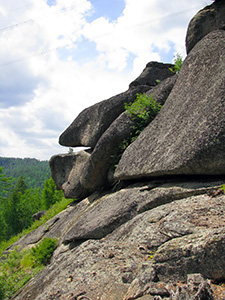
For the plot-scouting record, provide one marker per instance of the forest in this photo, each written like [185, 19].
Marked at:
[33, 171]
[25, 188]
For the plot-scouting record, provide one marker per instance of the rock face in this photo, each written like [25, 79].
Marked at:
[38, 215]
[66, 171]
[154, 71]
[188, 135]
[157, 236]
[91, 123]
[208, 19]
[90, 172]
[145, 256]
[95, 173]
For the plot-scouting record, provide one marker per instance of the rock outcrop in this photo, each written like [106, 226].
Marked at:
[188, 135]
[207, 20]
[66, 172]
[158, 231]
[91, 123]
[95, 173]
[91, 171]
[145, 256]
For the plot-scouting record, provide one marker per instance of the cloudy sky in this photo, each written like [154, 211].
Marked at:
[59, 56]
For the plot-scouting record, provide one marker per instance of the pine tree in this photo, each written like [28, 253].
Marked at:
[50, 195]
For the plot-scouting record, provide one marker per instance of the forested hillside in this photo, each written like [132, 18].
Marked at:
[34, 172]
[18, 203]
[25, 188]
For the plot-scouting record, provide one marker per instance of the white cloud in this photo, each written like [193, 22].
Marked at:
[45, 81]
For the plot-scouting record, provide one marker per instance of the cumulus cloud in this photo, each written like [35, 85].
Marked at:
[54, 62]
[147, 29]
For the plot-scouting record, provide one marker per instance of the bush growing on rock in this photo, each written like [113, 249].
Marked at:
[42, 253]
[178, 61]
[142, 111]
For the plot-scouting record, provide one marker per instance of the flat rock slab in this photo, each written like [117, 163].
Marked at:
[187, 137]
[153, 228]
[109, 212]
[94, 270]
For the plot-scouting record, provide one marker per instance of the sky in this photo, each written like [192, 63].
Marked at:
[58, 57]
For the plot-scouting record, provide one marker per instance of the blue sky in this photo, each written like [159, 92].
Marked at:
[58, 57]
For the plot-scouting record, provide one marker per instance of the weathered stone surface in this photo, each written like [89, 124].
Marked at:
[206, 20]
[188, 135]
[91, 123]
[54, 228]
[111, 211]
[103, 269]
[186, 236]
[148, 287]
[95, 172]
[179, 218]
[66, 170]
[94, 270]
[153, 71]
[132, 200]
[199, 252]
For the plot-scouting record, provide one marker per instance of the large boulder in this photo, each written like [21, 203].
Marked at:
[153, 72]
[206, 20]
[66, 170]
[95, 173]
[188, 135]
[91, 123]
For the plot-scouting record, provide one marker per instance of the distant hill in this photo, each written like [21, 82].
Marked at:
[35, 172]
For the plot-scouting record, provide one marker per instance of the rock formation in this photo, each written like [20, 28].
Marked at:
[208, 19]
[188, 135]
[153, 228]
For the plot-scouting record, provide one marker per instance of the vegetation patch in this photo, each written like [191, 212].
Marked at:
[54, 210]
[17, 268]
[178, 62]
[142, 111]
[18, 204]
[35, 172]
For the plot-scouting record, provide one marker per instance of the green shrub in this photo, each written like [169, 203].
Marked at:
[18, 267]
[42, 253]
[13, 277]
[178, 62]
[142, 111]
